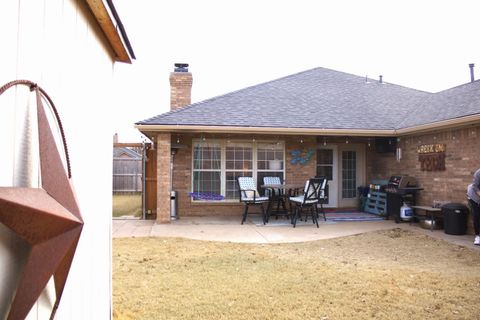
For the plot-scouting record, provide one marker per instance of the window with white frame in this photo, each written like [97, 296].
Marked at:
[270, 160]
[207, 167]
[218, 163]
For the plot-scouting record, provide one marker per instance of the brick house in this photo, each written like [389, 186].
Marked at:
[317, 122]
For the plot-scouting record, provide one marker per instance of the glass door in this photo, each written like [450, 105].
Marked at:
[352, 173]
[327, 167]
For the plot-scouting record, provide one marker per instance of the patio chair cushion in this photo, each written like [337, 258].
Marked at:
[272, 180]
[299, 199]
[249, 194]
[257, 199]
[249, 189]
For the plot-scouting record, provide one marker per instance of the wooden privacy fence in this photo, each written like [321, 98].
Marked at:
[127, 172]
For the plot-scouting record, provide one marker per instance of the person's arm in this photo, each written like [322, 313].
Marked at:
[476, 183]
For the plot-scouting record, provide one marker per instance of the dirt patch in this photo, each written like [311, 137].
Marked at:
[394, 274]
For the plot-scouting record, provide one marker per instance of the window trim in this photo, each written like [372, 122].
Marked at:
[223, 146]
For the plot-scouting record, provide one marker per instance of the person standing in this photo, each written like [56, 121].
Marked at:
[473, 194]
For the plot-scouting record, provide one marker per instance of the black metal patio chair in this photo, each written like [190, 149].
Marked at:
[249, 196]
[309, 200]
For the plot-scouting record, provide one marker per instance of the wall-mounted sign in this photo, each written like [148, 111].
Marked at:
[431, 148]
[432, 157]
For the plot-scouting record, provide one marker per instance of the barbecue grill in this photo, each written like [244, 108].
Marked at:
[400, 189]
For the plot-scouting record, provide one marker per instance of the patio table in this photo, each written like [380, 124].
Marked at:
[290, 189]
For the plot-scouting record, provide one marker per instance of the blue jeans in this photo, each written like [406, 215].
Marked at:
[475, 215]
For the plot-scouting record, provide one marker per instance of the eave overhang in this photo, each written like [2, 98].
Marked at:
[423, 128]
[111, 25]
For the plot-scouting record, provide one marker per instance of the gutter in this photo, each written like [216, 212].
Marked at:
[263, 130]
[423, 128]
[440, 125]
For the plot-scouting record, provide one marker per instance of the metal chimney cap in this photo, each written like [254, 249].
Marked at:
[181, 67]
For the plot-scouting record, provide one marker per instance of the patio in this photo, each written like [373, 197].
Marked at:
[228, 229]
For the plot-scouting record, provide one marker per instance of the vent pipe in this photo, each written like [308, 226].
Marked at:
[472, 75]
[380, 78]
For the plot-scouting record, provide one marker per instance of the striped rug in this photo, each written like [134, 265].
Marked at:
[352, 216]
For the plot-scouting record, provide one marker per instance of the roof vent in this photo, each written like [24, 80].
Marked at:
[181, 67]
[472, 75]
[380, 79]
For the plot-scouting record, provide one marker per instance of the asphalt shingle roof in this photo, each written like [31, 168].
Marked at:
[326, 99]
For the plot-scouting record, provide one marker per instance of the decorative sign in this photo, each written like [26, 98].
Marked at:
[47, 217]
[431, 148]
[432, 157]
[301, 156]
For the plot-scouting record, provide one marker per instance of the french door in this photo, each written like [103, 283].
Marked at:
[344, 167]
[327, 166]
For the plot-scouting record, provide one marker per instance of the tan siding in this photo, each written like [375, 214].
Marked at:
[57, 44]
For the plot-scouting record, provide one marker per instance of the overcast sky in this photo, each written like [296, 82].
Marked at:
[426, 45]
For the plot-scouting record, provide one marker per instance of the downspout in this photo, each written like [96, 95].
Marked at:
[144, 180]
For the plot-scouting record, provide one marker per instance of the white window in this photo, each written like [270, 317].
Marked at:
[218, 163]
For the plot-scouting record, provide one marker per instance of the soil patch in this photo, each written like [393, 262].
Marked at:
[394, 274]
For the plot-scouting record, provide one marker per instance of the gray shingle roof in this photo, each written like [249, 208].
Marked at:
[326, 99]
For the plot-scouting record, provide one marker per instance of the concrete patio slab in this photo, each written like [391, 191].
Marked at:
[229, 229]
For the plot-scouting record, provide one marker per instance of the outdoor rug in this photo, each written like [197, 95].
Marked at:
[352, 216]
[283, 222]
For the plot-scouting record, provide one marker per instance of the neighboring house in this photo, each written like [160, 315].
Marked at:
[317, 122]
[68, 47]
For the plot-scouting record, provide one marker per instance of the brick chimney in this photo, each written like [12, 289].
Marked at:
[180, 86]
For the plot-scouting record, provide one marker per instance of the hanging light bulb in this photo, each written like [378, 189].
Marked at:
[369, 144]
[324, 141]
[346, 140]
[178, 140]
[301, 140]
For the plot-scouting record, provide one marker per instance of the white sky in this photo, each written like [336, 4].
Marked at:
[230, 45]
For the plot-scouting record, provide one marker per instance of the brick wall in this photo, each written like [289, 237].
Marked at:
[182, 177]
[180, 89]
[298, 173]
[163, 144]
[462, 159]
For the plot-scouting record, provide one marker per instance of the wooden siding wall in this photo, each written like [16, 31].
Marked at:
[57, 44]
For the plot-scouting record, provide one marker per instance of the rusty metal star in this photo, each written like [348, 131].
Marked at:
[47, 218]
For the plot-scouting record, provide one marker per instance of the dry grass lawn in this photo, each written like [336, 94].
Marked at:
[393, 274]
[127, 205]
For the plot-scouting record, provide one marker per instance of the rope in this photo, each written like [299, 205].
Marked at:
[34, 86]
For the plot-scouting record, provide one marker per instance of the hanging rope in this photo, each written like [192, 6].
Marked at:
[33, 86]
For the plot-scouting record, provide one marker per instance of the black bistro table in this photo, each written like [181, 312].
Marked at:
[278, 199]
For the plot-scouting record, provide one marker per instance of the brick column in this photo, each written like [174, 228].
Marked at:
[163, 144]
